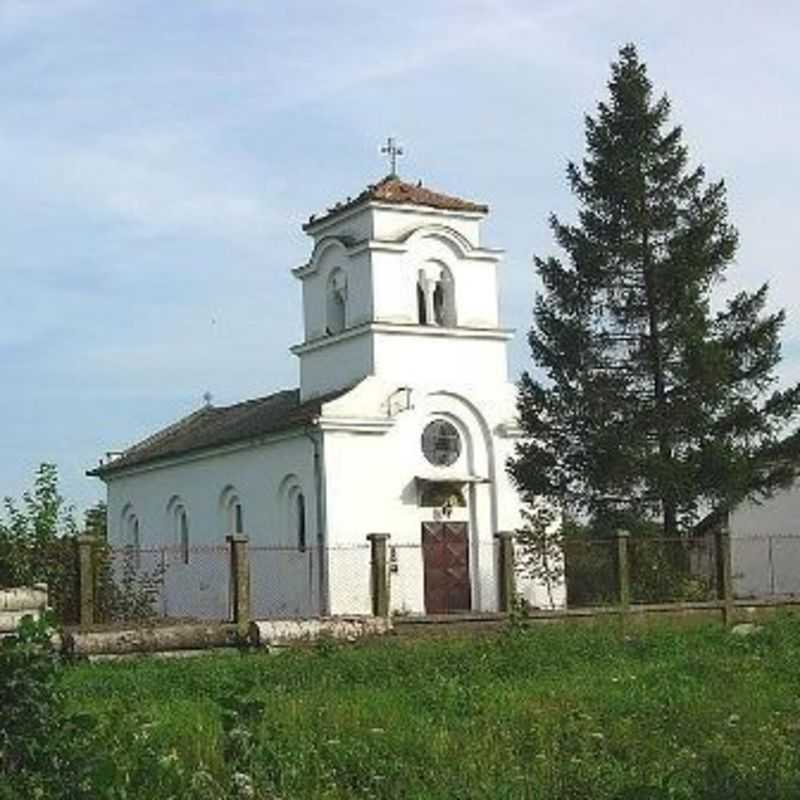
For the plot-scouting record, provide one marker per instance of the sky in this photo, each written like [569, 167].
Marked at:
[157, 160]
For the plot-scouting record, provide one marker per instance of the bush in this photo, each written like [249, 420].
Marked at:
[124, 591]
[40, 744]
[37, 543]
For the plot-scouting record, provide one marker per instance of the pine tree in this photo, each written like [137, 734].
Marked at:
[650, 406]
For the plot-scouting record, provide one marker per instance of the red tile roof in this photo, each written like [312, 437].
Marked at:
[392, 190]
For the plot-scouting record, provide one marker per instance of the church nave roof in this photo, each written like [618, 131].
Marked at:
[213, 426]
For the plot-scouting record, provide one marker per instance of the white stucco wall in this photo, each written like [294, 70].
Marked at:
[382, 275]
[336, 364]
[423, 356]
[395, 222]
[283, 581]
[395, 274]
[371, 488]
[359, 289]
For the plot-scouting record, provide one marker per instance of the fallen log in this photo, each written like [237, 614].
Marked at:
[168, 638]
[283, 632]
[24, 598]
[10, 620]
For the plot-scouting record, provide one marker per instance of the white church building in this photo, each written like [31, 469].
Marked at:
[402, 424]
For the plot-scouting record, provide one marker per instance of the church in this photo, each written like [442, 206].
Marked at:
[402, 424]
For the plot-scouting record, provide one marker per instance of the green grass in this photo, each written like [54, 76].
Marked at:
[554, 712]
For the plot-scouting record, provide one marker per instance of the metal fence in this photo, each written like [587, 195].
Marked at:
[441, 576]
[197, 582]
[765, 566]
[656, 570]
[167, 582]
[661, 570]
[590, 572]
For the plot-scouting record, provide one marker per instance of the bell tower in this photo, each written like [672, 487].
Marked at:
[398, 286]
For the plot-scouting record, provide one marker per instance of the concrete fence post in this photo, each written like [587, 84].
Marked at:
[506, 579]
[240, 580]
[379, 574]
[722, 541]
[623, 570]
[85, 556]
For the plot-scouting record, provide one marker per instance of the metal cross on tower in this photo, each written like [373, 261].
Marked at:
[393, 151]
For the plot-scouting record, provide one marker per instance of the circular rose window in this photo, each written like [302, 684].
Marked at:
[441, 443]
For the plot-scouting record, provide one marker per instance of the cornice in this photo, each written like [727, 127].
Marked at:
[403, 329]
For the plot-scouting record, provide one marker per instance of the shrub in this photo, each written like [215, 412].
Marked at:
[40, 744]
[124, 591]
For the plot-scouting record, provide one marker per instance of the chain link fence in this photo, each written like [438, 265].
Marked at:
[162, 582]
[444, 574]
[672, 570]
[766, 566]
[659, 570]
[183, 583]
[676, 570]
[590, 572]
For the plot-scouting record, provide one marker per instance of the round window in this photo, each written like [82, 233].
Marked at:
[441, 443]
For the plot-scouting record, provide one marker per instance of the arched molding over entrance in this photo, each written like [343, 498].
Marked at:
[477, 435]
[474, 473]
[468, 418]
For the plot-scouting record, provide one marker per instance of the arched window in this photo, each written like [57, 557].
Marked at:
[336, 301]
[232, 513]
[436, 297]
[300, 509]
[291, 498]
[178, 518]
[131, 534]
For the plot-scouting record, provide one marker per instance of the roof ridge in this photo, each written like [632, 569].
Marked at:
[252, 400]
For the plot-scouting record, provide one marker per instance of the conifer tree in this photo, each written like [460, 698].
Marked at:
[650, 405]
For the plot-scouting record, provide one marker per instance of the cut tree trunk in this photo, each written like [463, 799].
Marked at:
[24, 598]
[152, 640]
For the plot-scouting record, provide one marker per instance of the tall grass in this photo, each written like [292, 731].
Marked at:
[540, 713]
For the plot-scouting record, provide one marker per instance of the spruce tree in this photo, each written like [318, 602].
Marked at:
[649, 405]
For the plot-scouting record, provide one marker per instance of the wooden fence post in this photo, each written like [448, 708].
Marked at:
[722, 540]
[506, 583]
[623, 571]
[85, 555]
[240, 581]
[379, 574]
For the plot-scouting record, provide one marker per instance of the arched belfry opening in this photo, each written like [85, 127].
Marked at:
[336, 306]
[436, 298]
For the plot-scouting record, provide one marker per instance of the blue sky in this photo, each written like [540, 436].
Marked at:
[157, 160]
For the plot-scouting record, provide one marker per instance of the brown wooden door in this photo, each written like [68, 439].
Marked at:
[445, 550]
